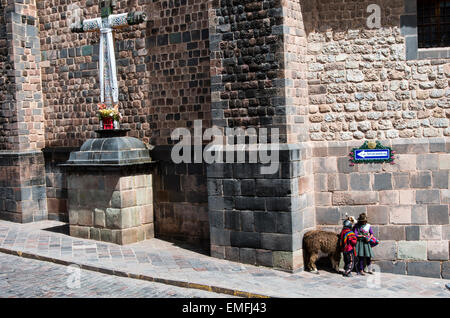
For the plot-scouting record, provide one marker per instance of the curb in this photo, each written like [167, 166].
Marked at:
[177, 283]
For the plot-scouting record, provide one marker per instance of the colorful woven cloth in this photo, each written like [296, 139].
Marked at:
[365, 230]
[348, 240]
[374, 241]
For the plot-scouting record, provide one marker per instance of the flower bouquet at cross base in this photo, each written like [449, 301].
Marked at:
[108, 116]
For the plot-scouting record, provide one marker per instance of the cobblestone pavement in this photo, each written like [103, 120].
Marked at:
[165, 262]
[21, 277]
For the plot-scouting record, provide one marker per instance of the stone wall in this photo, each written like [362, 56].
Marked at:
[258, 81]
[8, 117]
[163, 74]
[407, 203]
[56, 182]
[162, 66]
[295, 71]
[22, 185]
[24, 129]
[260, 218]
[311, 68]
[181, 199]
[361, 86]
[246, 63]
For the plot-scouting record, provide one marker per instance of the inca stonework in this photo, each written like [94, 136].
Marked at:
[316, 70]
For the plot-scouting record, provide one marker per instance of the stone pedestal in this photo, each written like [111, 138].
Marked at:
[110, 190]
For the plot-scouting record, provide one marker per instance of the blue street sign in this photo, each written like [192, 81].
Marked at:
[372, 154]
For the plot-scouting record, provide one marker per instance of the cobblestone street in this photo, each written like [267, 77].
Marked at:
[175, 266]
[21, 277]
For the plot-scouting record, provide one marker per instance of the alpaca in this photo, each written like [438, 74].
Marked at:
[326, 242]
[323, 241]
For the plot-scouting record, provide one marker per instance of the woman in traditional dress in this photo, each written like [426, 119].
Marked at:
[364, 232]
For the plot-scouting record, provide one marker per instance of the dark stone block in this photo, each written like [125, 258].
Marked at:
[410, 6]
[327, 216]
[421, 180]
[412, 45]
[248, 187]
[245, 239]
[150, 42]
[427, 196]
[192, 62]
[437, 145]
[392, 267]
[220, 203]
[196, 197]
[215, 187]
[195, 169]
[247, 255]
[205, 34]
[408, 24]
[264, 258]
[440, 179]
[247, 221]
[276, 242]
[186, 36]
[360, 182]
[24, 194]
[12, 217]
[392, 233]
[288, 222]
[438, 214]
[446, 270]
[219, 236]
[172, 183]
[273, 187]
[163, 39]
[175, 38]
[265, 222]
[245, 170]
[38, 193]
[424, 269]
[231, 187]
[383, 181]
[217, 219]
[232, 220]
[10, 206]
[412, 233]
[86, 50]
[279, 204]
[220, 170]
[250, 203]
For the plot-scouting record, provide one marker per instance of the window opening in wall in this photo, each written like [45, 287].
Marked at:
[433, 23]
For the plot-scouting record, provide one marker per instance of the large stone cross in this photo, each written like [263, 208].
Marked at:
[109, 93]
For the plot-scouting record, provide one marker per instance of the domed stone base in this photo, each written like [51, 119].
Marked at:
[110, 189]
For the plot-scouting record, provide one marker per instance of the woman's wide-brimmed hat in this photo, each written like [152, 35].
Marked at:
[362, 217]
